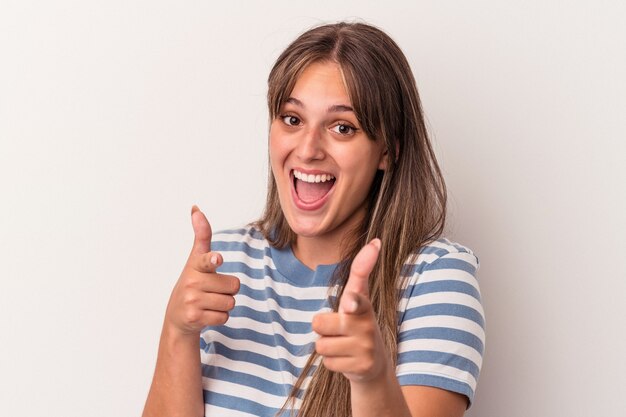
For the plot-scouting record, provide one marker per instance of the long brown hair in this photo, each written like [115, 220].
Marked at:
[407, 201]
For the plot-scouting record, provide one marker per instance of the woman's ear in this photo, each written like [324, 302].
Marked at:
[384, 157]
[382, 163]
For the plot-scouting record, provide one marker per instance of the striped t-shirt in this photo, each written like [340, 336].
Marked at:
[250, 364]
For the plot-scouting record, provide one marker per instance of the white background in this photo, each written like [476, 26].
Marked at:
[117, 116]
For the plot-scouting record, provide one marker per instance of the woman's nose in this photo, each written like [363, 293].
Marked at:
[310, 146]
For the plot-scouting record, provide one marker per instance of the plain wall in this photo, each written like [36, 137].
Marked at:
[116, 117]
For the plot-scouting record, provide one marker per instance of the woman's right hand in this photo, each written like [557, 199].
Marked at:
[201, 296]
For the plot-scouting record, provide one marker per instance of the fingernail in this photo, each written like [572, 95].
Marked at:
[354, 306]
[376, 243]
[194, 208]
[214, 259]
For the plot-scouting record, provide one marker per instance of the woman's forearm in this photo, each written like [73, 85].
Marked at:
[381, 397]
[384, 397]
[176, 389]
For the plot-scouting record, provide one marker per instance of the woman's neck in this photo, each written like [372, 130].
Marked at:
[326, 249]
[314, 251]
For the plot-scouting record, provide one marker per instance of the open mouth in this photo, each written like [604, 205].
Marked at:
[312, 188]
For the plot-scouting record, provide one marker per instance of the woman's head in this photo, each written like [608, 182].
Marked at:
[405, 202]
[323, 163]
[382, 92]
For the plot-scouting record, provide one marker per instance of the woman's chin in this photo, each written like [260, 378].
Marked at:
[307, 231]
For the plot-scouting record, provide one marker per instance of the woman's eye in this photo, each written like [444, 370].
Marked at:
[343, 129]
[291, 120]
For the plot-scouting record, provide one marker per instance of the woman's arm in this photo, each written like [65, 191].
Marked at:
[200, 298]
[177, 384]
[374, 387]
[351, 343]
[386, 398]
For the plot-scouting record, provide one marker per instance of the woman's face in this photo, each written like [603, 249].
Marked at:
[322, 161]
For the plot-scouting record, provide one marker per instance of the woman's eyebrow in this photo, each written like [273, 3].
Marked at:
[336, 108]
[294, 101]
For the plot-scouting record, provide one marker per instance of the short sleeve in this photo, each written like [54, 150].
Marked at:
[441, 336]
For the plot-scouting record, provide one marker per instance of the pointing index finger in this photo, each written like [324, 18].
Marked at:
[202, 232]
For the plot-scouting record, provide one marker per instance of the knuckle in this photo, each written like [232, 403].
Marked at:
[315, 323]
[236, 284]
[320, 346]
[192, 315]
[220, 318]
[368, 347]
[230, 304]
[190, 282]
[190, 298]
[221, 302]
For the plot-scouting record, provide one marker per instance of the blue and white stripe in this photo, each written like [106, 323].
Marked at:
[251, 363]
[441, 335]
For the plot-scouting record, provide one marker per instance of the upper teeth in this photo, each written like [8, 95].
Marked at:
[312, 178]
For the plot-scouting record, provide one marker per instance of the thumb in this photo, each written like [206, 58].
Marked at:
[357, 287]
[202, 232]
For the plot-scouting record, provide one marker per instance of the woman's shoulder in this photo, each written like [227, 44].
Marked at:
[439, 249]
[442, 255]
[246, 238]
[441, 279]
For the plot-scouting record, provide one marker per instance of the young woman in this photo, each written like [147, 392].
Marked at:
[343, 299]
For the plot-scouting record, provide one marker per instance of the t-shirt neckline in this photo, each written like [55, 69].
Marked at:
[298, 273]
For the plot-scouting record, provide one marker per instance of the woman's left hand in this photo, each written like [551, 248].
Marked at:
[350, 340]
